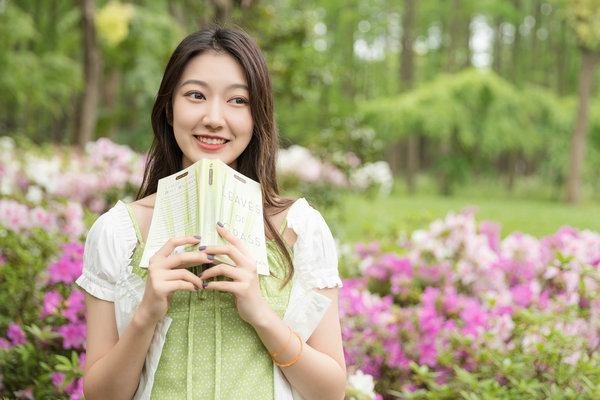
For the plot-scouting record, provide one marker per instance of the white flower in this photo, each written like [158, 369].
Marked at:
[34, 194]
[363, 383]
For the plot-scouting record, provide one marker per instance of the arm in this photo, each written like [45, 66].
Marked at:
[320, 372]
[113, 365]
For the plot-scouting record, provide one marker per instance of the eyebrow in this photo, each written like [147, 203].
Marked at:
[202, 83]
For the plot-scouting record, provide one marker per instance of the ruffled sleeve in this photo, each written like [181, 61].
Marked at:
[315, 255]
[108, 249]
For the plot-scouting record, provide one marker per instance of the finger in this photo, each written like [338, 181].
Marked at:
[224, 270]
[231, 238]
[188, 258]
[171, 286]
[234, 253]
[232, 287]
[182, 275]
[172, 243]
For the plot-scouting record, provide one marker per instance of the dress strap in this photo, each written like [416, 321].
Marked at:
[283, 226]
[138, 234]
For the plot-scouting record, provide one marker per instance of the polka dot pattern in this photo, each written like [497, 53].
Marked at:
[210, 352]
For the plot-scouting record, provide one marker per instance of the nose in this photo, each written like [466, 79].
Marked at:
[213, 116]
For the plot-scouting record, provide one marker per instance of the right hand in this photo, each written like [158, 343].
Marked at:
[164, 278]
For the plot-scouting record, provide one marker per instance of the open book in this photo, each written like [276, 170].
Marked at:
[191, 202]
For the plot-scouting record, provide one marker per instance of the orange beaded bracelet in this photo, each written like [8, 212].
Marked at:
[286, 346]
[297, 357]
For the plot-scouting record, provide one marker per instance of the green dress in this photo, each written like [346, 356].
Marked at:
[210, 352]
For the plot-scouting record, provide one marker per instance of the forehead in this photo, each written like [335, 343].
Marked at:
[214, 67]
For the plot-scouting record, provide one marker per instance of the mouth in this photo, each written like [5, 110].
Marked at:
[210, 142]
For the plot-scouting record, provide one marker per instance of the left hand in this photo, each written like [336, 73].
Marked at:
[244, 285]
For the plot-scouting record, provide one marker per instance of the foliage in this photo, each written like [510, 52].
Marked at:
[584, 17]
[455, 312]
[475, 117]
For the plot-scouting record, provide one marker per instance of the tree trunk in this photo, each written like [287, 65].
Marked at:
[516, 49]
[466, 62]
[579, 136]
[407, 79]
[561, 70]
[222, 10]
[452, 35]
[91, 72]
[110, 92]
[407, 55]
[497, 56]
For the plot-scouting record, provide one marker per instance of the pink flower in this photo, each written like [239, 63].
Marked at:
[57, 379]
[73, 335]
[25, 394]
[74, 305]
[15, 334]
[69, 266]
[3, 260]
[4, 344]
[522, 295]
[75, 389]
[51, 303]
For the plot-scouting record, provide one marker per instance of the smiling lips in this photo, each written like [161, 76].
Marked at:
[210, 142]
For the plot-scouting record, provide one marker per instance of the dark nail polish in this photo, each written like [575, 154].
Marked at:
[200, 248]
[196, 287]
[220, 224]
[210, 257]
[199, 275]
[198, 237]
[204, 285]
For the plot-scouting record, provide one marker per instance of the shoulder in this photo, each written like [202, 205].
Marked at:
[303, 218]
[111, 238]
[108, 248]
[315, 250]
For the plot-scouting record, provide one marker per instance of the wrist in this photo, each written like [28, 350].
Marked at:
[265, 318]
[141, 320]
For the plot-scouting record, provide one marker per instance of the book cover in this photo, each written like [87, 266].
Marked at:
[191, 202]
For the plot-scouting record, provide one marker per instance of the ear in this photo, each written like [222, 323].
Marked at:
[169, 112]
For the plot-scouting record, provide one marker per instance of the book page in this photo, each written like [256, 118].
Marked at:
[193, 200]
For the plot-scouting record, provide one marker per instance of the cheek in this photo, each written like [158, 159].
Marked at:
[183, 114]
[243, 123]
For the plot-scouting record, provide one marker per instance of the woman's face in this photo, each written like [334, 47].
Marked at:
[211, 110]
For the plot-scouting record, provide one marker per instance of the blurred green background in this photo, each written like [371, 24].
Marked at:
[488, 102]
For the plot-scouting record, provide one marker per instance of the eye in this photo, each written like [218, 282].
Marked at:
[195, 95]
[239, 100]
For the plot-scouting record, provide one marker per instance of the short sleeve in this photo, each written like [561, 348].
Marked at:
[315, 255]
[108, 249]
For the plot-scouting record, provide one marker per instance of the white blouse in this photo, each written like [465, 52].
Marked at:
[107, 275]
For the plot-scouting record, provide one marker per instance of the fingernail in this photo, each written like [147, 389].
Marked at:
[200, 275]
[220, 224]
[200, 248]
[210, 257]
[198, 237]
[204, 285]
[196, 287]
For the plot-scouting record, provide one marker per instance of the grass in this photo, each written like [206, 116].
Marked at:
[365, 218]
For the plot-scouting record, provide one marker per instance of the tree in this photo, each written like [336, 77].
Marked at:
[91, 71]
[584, 17]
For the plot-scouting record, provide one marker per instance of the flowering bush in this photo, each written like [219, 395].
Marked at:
[95, 178]
[42, 328]
[456, 312]
[300, 169]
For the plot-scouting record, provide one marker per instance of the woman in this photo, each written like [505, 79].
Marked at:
[220, 331]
